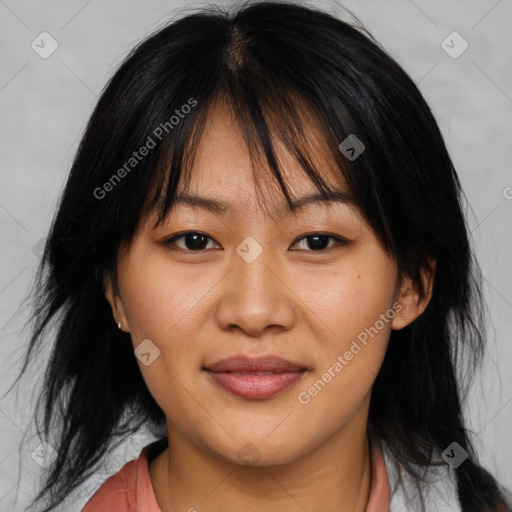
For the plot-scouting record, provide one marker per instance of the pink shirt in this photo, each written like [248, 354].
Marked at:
[130, 489]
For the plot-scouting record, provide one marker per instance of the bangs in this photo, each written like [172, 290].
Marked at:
[265, 80]
[266, 118]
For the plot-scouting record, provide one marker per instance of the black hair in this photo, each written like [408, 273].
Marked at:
[270, 62]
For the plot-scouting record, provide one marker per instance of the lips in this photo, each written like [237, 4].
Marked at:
[247, 364]
[255, 377]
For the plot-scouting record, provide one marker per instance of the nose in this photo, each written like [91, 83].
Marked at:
[254, 296]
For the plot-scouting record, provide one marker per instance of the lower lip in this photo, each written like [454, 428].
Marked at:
[256, 386]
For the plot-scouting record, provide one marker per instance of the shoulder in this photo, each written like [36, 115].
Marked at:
[130, 489]
[437, 490]
[118, 492]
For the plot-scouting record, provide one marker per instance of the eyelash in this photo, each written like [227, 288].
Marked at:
[339, 241]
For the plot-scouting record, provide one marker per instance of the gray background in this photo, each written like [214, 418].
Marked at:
[45, 103]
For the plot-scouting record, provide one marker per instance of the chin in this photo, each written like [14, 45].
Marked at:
[261, 452]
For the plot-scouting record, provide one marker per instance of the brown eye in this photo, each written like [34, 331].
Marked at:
[317, 242]
[192, 241]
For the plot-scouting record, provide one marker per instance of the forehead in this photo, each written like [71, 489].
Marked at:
[223, 167]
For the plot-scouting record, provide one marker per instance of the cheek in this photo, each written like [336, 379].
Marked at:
[160, 306]
[349, 299]
[158, 300]
[168, 307]
[351, 302]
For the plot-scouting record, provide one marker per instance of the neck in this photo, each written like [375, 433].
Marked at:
[334, 476]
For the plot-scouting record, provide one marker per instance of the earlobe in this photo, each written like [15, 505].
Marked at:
[412, 303]
[116, 305]
[409, 307]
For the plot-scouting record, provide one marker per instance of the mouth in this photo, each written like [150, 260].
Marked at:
[255, 377]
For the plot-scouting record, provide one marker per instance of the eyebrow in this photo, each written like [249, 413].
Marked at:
[222, 208]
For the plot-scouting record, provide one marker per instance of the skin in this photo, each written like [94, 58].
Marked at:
[293, 301]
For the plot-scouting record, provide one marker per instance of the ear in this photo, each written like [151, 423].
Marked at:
[116, 304]
[411, 305]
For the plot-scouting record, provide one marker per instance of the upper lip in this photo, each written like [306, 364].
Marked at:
[245, 363]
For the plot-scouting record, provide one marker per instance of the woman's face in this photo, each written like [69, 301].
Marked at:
[256, 288]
